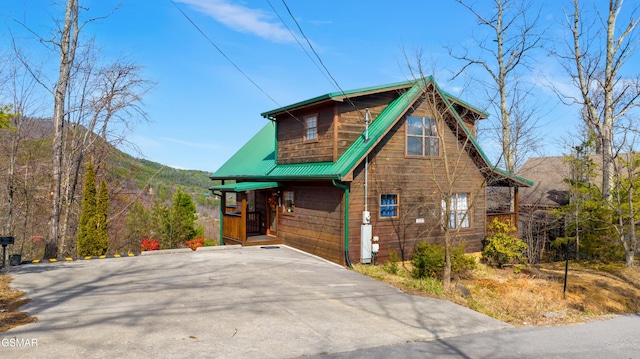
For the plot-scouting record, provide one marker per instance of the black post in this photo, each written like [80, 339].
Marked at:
[5, 241]
[4, 253]
[566, 269]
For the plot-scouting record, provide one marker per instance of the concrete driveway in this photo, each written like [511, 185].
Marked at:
[226, 303]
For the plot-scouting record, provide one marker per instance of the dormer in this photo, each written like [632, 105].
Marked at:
[322, 128]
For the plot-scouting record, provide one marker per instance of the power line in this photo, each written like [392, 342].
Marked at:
[318, 56]
[230, 61]
[298, 41]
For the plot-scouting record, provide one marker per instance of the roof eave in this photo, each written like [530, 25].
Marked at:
[515, 179]
[337, 96]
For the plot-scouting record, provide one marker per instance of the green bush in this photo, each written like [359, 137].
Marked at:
[210, 243]
[428, 261]
[502, 248]
[391, 266]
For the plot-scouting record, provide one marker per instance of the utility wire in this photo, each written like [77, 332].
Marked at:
[230, 61]
[298, 41]
[318, 56]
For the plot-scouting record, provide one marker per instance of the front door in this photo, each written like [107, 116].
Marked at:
[272, 213]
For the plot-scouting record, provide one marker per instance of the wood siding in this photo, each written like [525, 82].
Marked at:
[316, 224]
[332, 141]
[415, 180]
[352, 115]
[291, 145]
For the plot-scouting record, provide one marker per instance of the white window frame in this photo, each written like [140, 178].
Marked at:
[311, 128]
[395, 207]
[459, 211]
[288, 202]
[428, 137]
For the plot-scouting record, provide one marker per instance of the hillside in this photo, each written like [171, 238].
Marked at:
[26, 186]
[147, 173]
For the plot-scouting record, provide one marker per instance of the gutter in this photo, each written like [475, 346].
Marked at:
[346, 221]
[219, 195]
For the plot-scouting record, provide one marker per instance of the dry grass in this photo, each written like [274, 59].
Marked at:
[533, 296]
[10, 302]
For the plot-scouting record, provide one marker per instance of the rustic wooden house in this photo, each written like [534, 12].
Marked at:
[327, 175]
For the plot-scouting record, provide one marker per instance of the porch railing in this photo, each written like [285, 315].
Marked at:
[511, 218]
[233, 227]
[253, 222]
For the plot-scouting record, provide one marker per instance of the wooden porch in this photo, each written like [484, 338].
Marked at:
[247, 227]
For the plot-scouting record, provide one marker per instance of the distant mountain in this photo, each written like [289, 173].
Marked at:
[145, 173]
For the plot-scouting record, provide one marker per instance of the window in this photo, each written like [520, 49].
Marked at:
[422, 137]
[251, 201]
[289, 205]
[459, 216]
[388, 205]
[311, 128]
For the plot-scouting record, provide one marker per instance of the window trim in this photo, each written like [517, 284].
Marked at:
[457, 213]
[306, 128]
[422, 137]
[396, 205]
[284, 203]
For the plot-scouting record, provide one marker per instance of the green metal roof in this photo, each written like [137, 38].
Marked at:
[475, 143]
[245, 186]
[256, 160]
[315, 170]
[339, 96]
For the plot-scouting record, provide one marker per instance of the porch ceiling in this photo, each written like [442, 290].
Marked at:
[244, 186]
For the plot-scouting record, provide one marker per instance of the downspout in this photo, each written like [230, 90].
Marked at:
[221, 215]
[222, 204]
[366, 162]
[346, 221]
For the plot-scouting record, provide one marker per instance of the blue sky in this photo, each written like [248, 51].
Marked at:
[203, 109]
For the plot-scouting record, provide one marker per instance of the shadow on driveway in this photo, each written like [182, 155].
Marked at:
[247, 302]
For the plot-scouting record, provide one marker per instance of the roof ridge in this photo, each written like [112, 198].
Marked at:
[338, 95]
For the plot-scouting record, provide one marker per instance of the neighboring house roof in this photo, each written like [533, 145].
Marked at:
[549, 174]
[256, 160]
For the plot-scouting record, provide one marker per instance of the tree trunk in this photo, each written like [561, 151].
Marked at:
[67, 54]
[632, 240]
[11, 176]
[446, 273]
[502, 86]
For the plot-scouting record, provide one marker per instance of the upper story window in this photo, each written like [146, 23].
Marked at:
[311, 128]
[422, 137]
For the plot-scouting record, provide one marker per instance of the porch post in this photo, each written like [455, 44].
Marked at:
[223, 205]
[243, 220]
[516, 209]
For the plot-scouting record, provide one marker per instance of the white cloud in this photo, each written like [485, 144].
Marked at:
[243, 19]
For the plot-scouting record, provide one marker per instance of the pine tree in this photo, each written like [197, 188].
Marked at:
[184, 217]
[101, 241]
[86, 230]
[138, 226]
[92, 231]
[175, 224]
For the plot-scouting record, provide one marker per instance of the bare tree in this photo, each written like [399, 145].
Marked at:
[104, 101]
[94, 103]
[505, 56]
[449, 176]
[595, 55]
[20, 91]
[67, 45]
[626, 169]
